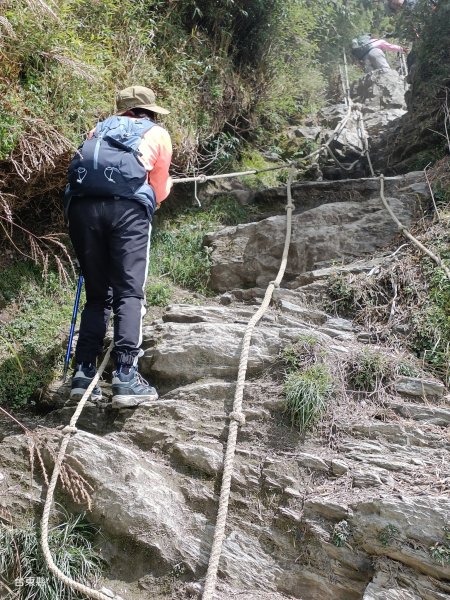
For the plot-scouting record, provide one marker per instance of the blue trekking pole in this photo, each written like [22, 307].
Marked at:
[72, 325]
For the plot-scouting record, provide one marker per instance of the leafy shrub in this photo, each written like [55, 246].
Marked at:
[440, 551]
[341, 294]
[303, 353]
[341, 533]
[158, 293]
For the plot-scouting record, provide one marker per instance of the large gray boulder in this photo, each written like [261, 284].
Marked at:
[194, 342]
[380, 90]
[139, 499]
[249, 255]
[379, 98]
[381, 95]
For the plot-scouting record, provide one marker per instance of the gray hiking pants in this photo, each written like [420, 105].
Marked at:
[111, 239]
[375, 59]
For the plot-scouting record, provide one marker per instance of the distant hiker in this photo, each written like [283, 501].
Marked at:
[370, 49]
[395, 5]
[117, 179]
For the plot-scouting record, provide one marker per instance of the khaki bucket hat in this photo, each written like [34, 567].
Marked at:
[138, 96]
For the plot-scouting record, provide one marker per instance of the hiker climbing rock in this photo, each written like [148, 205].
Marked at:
[116, 180]
[370, 49]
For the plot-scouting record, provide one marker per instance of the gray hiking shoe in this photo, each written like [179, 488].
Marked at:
[81, 380]
[129, 390]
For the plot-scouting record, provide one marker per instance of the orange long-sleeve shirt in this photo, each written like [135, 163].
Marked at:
[156, 150]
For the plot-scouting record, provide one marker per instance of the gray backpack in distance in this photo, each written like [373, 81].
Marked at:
[362, 45]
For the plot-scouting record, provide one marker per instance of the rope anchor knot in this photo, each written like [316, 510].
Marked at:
[69, 429]
[237, 416]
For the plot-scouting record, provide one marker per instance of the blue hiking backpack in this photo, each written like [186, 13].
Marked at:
[108, 165]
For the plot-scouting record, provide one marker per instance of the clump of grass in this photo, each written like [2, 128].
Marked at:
[308, 381]
[23, 566]
[369, 371]
[307, 393]
[178, 251]
[227, 210]
[342, 295]
[253, 159]
[306, 351]
[431, 338]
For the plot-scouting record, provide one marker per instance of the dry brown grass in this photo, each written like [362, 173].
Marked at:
[43, 250]
[44, 443]
[38, 149]
[37, 169]
[439, 174]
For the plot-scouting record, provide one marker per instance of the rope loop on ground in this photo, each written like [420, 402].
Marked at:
[67, 431]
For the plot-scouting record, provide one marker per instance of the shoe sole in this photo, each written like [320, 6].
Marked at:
[130, 401]
[77, 393]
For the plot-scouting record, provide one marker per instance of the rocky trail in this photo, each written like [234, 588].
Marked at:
[355, 509]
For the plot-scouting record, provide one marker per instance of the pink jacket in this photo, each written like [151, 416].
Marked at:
[383, 45]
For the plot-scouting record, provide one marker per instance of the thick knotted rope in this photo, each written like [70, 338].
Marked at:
[68, 431]
[236, 416]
